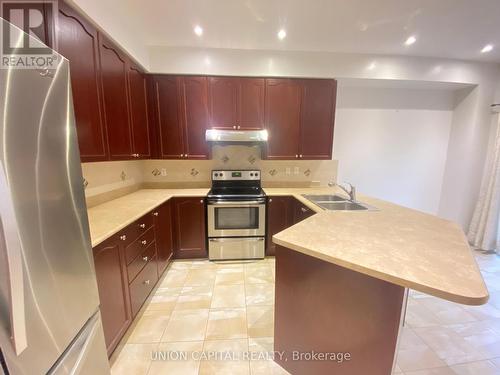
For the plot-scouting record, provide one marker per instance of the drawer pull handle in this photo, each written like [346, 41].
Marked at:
[155, 213]
[145, 259]
[201, 200]
[142, 226]
[147, 282]
[123, 237]
[270, 199]
[144, 242]
[303, 209]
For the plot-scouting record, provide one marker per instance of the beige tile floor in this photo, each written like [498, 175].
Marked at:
[204, 307]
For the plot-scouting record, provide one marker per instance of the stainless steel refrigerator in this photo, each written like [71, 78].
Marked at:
[49, 304]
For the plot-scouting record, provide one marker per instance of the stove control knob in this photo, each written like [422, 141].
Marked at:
[251, 174]
[256, 174]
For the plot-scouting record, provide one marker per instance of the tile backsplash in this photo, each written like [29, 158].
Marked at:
[108, 180]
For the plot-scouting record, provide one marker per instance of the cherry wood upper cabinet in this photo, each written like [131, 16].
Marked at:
[280, 214]
[223, 102]
[138, 111]
[116, 106]
[163, 233]
[251, 102]
[283, 118]
[236, 103]
[112, 284]
[195, 116]
[189, 221]
[78, 42]
[168, 116]
[317, 116]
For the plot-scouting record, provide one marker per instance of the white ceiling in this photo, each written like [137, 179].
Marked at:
[444, 28]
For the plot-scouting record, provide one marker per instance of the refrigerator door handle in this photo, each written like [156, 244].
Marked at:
[14, 258]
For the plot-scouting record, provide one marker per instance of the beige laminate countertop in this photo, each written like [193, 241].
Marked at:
[396, 244]
[109, 218]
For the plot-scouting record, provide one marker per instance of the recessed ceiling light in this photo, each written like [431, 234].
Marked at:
[198, 30]
[282, 34]
[487, 48]
[411, 39]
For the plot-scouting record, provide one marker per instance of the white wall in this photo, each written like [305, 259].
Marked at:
[392, 143]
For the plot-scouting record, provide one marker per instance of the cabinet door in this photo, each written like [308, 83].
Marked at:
[317, 118]
[222, 102]
[195, 116]
[79, 44]
[116, 109]
[190, 232]
[282, 118]
[163, 229]
[138, 112]
[279, 217]
[168, 117]
[301, 212]
[251, 100]
[112, 284]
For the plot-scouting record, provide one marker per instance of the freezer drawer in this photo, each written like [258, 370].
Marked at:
[86, 354]
[236, 248]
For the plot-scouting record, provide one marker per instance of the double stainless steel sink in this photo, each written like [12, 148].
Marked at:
[337, 203]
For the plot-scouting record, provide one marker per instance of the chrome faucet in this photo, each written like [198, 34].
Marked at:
[351, 192]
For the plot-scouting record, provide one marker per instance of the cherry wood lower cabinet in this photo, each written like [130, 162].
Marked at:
[112, 283]
[283, 212]
[128, 265]
[163, 231]
[280, 213]
[190, 227]
[300, 211]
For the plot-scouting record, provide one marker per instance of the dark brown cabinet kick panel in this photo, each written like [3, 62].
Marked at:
[116, 108]
[78, 42]
[190, 228]
[283, 118]
[317, 118]
[138, 112]
[280, 215]
[163, 231]
[111, 274]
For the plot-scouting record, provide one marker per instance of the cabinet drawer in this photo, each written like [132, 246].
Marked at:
[138, 246]
[140, 261]
[140, 226]
[142, 285]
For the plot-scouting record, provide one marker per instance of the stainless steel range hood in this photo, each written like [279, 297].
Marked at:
[236, 136]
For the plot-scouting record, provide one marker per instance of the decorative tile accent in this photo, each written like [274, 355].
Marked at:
[252, 159]
[224, 159]
[273, 172]
[85, 183]
[155, 172]
[307, 172]
[123, 176]
[194, 172]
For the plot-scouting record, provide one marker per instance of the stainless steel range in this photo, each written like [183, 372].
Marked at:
[236, 213]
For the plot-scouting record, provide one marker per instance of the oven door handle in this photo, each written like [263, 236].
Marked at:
[237, 203]
[236, 239]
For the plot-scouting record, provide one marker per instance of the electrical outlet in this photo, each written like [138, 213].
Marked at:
[163, 172]
[296, 170]
[287, 171]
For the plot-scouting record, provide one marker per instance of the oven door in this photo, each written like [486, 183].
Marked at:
[236, 219]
